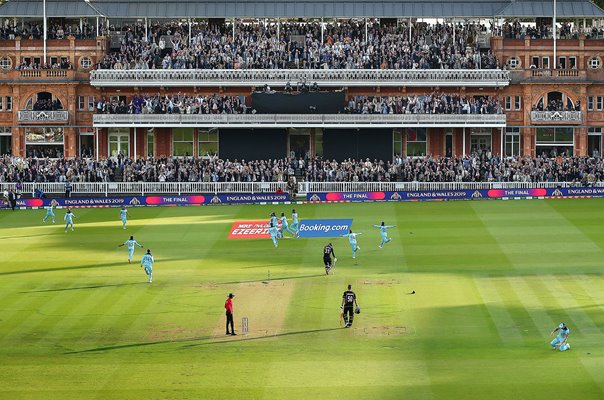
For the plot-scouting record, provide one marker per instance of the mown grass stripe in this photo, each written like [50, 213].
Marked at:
[497, 308]
[573, 309]
[533, 305]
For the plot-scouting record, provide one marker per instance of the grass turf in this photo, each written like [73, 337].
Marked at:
[492, 279]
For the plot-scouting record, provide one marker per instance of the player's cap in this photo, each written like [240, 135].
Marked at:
[231, 295]
[148, 250]
[561, 325]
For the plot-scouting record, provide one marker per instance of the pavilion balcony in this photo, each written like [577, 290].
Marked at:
[280, 77]
[299, 120]
[41, 117]
[557, 117]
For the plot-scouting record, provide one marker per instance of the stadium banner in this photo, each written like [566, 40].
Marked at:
[314, 228]
[170, 200]
[254, 229]
[455, 194]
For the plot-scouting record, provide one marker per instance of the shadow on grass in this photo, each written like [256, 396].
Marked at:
[205, 340]
[76, 267]
[85, 287]
[272, 279]
[22, 236]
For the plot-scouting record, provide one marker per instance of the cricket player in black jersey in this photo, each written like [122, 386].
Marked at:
[349, 300]
[327, 253]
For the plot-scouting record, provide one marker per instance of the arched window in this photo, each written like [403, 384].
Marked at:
[44, 101]
[555, 101]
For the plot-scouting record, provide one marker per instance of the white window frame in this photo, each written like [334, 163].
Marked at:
[86, 60]
[513, 133]
[6, 63]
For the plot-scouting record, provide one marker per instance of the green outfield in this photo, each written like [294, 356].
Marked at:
[492, 279]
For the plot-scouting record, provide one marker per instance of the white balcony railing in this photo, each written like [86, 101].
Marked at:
[299, 120]
[320, 187]
[557, 117]
[43, 116]
[280, 77]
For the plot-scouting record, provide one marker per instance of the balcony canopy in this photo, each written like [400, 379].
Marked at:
[159, 9]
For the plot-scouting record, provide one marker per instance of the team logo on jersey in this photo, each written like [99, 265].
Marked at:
[256, 229]
[313, 228]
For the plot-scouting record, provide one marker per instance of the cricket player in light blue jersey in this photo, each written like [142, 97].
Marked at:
[274, 221]
[49, 214]
[124, 216]
[384, 232]
[130, 243]
[560, 341]
[352, 239]
[274, 232]
[284, 226]
[69, 216]
[147, 262]
[295, 224]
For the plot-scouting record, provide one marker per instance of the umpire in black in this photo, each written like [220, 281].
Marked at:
[349, 300]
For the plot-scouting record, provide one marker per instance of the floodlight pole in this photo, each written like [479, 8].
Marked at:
[554, 32]
[45, 30]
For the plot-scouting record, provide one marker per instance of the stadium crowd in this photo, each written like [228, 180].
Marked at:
[480, 166]
[300, 45]
[173, 104]
[435, 103]
[54, 31]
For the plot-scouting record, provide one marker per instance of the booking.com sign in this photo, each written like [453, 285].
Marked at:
[314, 228]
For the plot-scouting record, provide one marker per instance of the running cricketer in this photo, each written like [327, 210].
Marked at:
[69, 216]
[273, 221]
[147, 262]
[130, 243]
[352, 239]
[274, 232]
[295, 223]
[327, 253]
[384, 232]
[124, 216]
[49, 214]
[560, 341]
[285, 226]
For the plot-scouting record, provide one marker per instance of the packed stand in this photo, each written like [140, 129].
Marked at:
[299, 45]
[480, 166]
[429, 104]
[517, 30]
[35, 31]
[175, 104]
